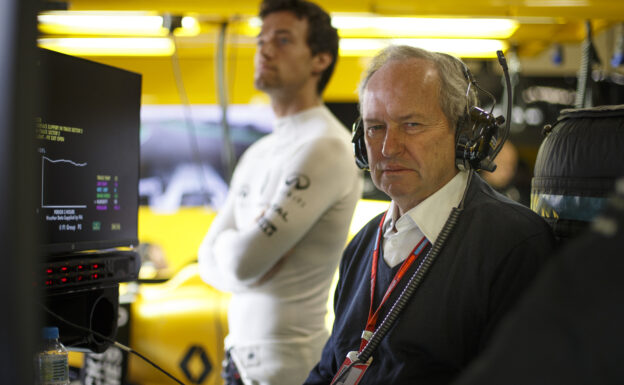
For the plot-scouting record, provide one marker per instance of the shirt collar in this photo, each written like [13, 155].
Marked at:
[431, 214]
[286, 123]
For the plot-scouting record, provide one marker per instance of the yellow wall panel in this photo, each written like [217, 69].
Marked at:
[177, 234]
[198, 74]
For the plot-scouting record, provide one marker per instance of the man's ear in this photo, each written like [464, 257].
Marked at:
[320, 62]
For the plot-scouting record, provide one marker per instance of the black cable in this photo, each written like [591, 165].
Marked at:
[503, 63]
[488, 93]
[473, 81]
[188, 119]
[463, 199]
[233, 56]
[585, 68]
[228, 156]
[119, 345]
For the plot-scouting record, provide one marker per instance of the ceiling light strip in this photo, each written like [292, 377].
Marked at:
[151, 46]
[465, 48]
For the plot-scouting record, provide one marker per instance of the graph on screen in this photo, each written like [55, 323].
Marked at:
[55, 173]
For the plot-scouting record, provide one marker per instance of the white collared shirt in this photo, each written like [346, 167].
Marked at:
[426, 219]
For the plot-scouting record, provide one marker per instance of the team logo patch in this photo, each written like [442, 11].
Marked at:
[298, 181]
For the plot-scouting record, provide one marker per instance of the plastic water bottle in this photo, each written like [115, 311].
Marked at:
[52, 364]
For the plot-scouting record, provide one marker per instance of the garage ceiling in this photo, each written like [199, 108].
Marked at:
[542, 23]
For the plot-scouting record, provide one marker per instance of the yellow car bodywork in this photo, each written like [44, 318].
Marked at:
[180, 325]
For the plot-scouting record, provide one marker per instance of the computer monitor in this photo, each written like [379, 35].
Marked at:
[86, 153]
[87, 150]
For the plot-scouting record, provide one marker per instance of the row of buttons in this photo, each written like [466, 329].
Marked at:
[69, 269]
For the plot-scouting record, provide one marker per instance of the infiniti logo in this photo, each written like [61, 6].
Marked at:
[300, 181]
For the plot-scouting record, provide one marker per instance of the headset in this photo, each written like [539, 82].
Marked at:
[479, 135]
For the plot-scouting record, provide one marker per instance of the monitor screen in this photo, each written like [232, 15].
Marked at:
[87, 151]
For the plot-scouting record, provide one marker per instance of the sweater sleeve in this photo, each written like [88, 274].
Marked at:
[318, 176]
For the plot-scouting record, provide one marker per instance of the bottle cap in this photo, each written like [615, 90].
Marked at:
[50, 332]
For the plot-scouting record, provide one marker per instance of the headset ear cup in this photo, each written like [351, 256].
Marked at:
[359, 145]
[473, 141]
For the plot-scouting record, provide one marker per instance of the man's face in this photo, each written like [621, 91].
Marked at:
[410, 146]
[283, 61]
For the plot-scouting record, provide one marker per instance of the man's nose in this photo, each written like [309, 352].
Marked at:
[266, 49]
[393, 142]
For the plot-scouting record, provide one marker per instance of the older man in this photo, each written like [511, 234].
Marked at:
[412, 104]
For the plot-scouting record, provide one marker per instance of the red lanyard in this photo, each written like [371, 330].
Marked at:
[373, 316]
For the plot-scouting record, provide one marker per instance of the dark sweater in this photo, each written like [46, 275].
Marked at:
[493, 253]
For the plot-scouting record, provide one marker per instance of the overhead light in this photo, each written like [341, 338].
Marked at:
[420, 27]
[147, 46]
[190, 25]
[556, 3]
[373, 26]
[464, 48]
[111, 24]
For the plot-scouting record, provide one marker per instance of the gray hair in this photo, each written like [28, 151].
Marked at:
[451, 72]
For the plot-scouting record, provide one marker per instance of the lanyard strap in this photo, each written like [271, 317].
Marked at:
[407, 263]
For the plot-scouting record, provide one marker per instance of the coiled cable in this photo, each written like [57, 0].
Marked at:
[410, 288]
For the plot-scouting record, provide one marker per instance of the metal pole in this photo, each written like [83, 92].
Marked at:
[228, 156]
